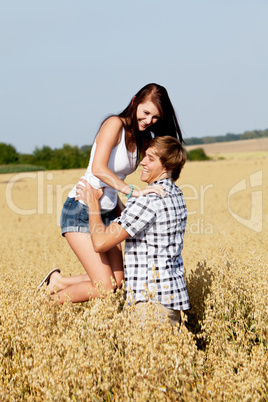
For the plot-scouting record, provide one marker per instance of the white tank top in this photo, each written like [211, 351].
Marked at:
[121, 162]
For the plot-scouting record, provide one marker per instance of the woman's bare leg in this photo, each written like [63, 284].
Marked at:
[79, 292]
[58, 282]
[100, 267]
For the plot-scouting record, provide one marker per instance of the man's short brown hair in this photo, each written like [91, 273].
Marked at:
[171, 154]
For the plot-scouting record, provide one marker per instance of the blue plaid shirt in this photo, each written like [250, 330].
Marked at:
[153, 261]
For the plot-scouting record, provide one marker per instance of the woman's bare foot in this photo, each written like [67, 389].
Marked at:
[56, 282]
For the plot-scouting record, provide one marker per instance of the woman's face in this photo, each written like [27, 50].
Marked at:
[147, 114]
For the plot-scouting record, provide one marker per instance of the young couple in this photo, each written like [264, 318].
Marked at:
[153, 221]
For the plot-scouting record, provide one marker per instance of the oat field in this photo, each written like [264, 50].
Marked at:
[95, 351]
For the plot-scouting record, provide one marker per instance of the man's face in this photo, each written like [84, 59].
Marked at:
[152, 167]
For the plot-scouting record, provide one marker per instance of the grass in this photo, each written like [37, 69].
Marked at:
[10, 168]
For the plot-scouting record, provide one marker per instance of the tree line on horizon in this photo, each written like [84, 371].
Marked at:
[74, 157]
[46, 158]
[247, 135]
[67, 157]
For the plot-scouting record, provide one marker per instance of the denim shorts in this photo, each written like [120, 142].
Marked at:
[74, 217]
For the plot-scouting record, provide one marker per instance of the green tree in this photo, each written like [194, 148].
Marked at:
[43, 156]
[231, 137]
[68, 157]
[193, 141]
[26, 159]
[209, 140]
[8, 154]
[86, 150]
[197, 154]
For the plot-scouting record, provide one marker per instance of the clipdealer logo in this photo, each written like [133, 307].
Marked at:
[50, 197]
[255, 220]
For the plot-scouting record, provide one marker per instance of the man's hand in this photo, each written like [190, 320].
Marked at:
[103, 239]
[87, 193]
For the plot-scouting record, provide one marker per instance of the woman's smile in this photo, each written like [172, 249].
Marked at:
[147, 115]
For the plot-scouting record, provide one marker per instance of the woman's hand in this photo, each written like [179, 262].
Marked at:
[156, 188]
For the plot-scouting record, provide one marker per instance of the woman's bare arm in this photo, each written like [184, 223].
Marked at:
[108, 137]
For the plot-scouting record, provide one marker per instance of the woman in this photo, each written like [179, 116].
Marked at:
[115, 153]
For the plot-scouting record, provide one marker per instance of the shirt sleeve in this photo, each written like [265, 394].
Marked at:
[137, 215]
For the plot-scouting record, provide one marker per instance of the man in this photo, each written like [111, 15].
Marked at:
[153, 229]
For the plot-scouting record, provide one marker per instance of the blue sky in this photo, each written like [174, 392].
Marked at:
[65, 65]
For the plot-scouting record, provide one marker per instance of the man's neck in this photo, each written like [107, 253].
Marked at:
[160, 177]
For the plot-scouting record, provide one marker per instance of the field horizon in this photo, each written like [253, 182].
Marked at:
[241, 149]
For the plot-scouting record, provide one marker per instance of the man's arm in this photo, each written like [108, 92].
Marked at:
[120, 206]
[103, 238]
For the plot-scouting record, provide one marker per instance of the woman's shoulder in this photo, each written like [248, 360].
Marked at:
[113, 122]
[110, 131]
